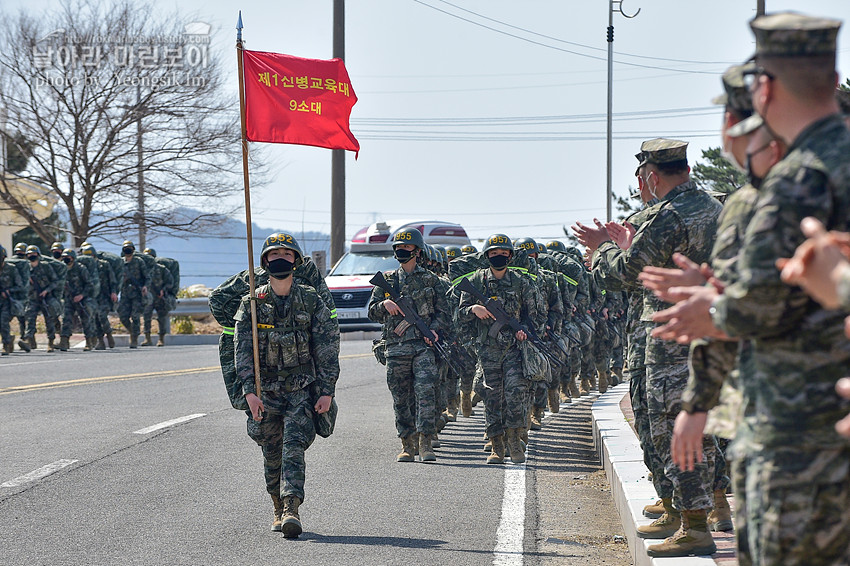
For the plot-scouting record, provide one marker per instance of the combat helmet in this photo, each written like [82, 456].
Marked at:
[453, 252]
[468, 249]
[281, 241]
[56, 249]
[150, 251]
[409, 236]
[33, 250]
[498, 242]
[128, 245]
[69, 253]
[20, 249]
[87, 249]
[527, 244]
[556, 246]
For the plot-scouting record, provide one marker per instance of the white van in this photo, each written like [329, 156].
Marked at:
[371, 251]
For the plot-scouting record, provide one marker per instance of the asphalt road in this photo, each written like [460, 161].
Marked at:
[84, 479]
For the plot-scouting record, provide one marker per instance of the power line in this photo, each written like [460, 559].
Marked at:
[583, 45]
[691, 71]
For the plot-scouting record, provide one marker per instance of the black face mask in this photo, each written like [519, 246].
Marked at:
[280, 268]
[402, 255]
[67, 260]
[57, 254]
[499, 262]
[126, 251]
[32, 257]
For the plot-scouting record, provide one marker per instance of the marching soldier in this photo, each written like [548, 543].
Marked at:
[11, 286]
[299, 366]
[46, 284]
[161, 284]
[134, 292]
[79, 293]
[499, 356]
[412, 371]
[105, 299]
[19, 261]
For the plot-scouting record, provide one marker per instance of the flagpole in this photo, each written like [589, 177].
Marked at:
[251, 281]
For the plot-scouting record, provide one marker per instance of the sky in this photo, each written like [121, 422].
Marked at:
[490, 113]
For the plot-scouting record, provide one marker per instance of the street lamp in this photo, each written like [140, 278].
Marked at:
[611, 10]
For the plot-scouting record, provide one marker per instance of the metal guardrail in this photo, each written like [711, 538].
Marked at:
[191, 306]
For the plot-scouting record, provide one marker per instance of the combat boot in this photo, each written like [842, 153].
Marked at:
[476, 398]
[488, 444]
[616, 376]
[277, 524]
[161, 341]
[585, 387]
[33, 345]
[466, 404]
[426, 451]
[692, 538]
[63, 343]
[291, 522]
[101, 345]
[564, 394]
[147, 341]
[110, 340]
[720, 518]
[134, 341]
[406, 454]
[664, 526]
[497, 456]
[603, 381]
[573, 388]
[435, 441]
[536, 419]
[451, 411]
[24, 345]
[654, 510]
[51, 346]
[552, 399]
[593, 382]
[8, 347]
[515, 446]
[88, 346]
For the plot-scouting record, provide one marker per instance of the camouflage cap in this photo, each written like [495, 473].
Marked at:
[661, 150]
[745, 127]
[737, 95]
[790, 34]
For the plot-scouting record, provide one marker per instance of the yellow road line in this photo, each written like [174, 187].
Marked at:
[103, 379]
[127, 377]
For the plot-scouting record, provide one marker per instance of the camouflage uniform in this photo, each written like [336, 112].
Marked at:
[299, 362]
[224, 302]
[103, 302]
[412, 372]
[23, 266]
[11, 287]
[78, 282]
[683, 221]
[161, 283]
[132, 302]
[499, 357]
[44, 279]
[550, 291]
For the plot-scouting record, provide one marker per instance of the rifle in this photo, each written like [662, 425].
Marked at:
[557, 337]
[408, 310]
[503, 318]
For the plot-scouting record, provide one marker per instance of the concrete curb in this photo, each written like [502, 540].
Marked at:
[123, 340]
[622, 460]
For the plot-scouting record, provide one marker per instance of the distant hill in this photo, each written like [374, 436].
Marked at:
[210, 259]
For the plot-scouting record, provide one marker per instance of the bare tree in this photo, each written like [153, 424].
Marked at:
[126, 116]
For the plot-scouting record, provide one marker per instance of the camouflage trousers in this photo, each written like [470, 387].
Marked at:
[792, 507]
[603, 345]
[284, 434]
[441, 400]
[50, 308]
[101, 316]
[83, 309]
[162, 307]
[412, 380]
[131, 306]
[665, 384]
[467, 376]
[637, 392]
[573, 365]
[507, 389]
[5, 321]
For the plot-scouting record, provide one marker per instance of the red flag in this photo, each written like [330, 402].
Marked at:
[295, 100]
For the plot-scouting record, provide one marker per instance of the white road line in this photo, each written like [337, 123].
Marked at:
[54, 361]
[511, 531]
[42, 472]
[166, 424]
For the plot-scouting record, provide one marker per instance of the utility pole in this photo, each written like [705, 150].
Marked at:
[609, 191]
[759, 7]
[338, 155]
[140, 174]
